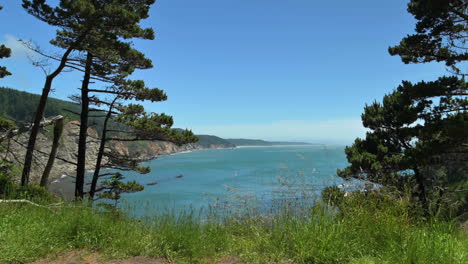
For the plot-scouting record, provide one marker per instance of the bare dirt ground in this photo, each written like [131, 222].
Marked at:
[83, 257]
[464, 227]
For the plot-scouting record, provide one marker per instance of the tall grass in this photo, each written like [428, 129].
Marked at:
[364, 231]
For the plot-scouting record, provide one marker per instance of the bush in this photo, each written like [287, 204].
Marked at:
[333, 195]
[11, 191]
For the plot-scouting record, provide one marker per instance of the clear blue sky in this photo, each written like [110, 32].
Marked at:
[279, 70]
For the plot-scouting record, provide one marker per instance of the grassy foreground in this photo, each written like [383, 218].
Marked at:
[366, 232]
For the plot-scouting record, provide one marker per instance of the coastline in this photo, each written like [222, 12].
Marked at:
[289, 145]
[193, 150]
[63, 186]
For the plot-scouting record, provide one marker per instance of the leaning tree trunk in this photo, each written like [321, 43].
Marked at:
[58, 129]
[39, 115]
[81, 160]
[97, 170]
[35, 130]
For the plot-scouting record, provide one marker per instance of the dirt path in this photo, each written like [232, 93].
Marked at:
[83, 257]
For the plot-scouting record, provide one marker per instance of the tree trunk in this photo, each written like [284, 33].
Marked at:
[38, 117]
[422, 191]
[58, 129]
[92, 190]
[34, 131]
[81, 160]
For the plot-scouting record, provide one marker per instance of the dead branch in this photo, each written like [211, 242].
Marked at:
[27, 127]
[30, 203]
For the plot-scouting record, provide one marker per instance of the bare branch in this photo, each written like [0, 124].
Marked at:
[27, 127]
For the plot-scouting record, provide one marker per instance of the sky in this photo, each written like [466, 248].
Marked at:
[299, 70]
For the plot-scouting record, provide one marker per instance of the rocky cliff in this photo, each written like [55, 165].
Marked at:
[156, 148]
[66, 156]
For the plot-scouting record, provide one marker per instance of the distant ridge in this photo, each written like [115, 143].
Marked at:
[209, 140]
[19, 106]
[259, 142]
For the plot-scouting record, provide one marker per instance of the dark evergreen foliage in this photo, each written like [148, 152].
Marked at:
[20, 106]
[418, 139]
[4, 53]
[441, 33]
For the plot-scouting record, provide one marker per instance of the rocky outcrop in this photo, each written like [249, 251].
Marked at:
[157, 148]
[66, 155]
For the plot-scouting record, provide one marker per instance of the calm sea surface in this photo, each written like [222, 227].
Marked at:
[246, 175]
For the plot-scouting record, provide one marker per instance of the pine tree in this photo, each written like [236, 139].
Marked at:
[111, 60]
[113, 66]
[4, 53]
[418, 139]
[107, 55]
[441, 33]
[67, 14]
[79, 21]
[5, 125]
[138, 125]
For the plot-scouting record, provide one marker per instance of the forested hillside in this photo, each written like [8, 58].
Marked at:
[20, 106]
[208, 140]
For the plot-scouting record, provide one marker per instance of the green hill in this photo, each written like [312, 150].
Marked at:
[20, 106]
[259, 142]
[207, 140]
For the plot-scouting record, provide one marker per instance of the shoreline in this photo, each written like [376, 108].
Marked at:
[291, 145]
[190, 151]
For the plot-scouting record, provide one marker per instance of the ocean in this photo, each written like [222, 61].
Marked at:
[228, 178]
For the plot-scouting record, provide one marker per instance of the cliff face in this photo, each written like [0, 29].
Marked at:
[156, 148]
[66, 154]
[68, 150]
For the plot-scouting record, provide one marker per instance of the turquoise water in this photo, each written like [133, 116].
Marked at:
[248, 176]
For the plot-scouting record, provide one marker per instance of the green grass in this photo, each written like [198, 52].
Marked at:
[375, 231]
